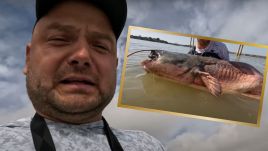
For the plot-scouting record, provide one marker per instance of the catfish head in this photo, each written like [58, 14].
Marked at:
[162, 62]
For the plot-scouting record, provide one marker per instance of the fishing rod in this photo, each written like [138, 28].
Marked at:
[137, 52]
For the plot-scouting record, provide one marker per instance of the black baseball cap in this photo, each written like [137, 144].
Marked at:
[116, 11]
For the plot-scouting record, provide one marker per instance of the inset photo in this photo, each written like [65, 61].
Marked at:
[193, 76]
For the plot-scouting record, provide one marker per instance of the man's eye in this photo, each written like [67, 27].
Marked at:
[58, 39]
[101, 48]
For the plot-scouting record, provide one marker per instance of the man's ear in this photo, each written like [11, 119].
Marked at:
[27, 60]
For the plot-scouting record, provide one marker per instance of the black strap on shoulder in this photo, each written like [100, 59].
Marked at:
[112, 140]
[41, 136]
[43, 141]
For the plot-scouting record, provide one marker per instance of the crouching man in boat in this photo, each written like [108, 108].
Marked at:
[210, 49]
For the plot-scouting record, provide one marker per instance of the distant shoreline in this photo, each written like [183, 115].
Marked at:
[165, 42]
[157, 40]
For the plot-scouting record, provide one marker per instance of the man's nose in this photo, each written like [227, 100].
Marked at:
[80, 57]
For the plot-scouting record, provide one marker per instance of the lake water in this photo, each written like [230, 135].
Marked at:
[149, 91]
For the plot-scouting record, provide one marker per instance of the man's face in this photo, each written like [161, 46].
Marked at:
[203, 42]
[71, 63]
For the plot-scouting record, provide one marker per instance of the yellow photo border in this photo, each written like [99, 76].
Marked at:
[182, 114]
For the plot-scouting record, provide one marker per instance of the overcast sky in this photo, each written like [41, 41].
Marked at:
[240, 20]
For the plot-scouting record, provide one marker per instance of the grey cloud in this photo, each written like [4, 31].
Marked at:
[4, 72]
[235, 20]
[227, 137]
[13, 92]
[26, 111]
[248, 22]
[16, 22]
[16, 19]
[139, 11]
[25, 5]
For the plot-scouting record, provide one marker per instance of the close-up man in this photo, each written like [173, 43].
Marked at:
[70, 71]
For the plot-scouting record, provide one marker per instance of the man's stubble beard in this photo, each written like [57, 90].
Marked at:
[48, 103]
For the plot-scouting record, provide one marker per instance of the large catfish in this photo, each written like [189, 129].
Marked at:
[218, 76]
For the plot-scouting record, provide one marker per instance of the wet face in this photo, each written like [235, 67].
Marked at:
[71, 63]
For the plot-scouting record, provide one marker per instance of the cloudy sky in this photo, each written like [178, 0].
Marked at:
[240, 20]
